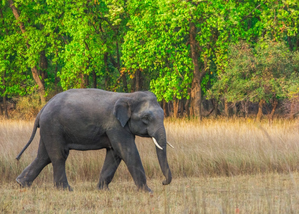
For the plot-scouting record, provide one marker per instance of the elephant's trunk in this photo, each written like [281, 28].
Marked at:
[160, 136]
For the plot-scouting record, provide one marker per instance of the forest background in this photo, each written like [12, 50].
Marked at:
[200, 58]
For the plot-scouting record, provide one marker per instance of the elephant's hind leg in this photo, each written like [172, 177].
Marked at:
[58, 153]
[32, 171]
[111, 163]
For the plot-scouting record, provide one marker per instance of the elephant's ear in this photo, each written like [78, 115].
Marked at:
[122, 110]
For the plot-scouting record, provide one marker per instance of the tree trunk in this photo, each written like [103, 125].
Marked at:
[292, 110]
[137, 80]
[215, 112]
[107, 83]
[196, 92]
[106, 70]
[226, 108]
[125, 82]
[82, 84]
[245, 107]
[187, 108]
[274, 106]
[41, 87]
[196, 98]
[5, 107]
[196, 87]
[235, 110]
[181, 108]
[260, 111]
[86, 81]
[1, 109]
[141, 81]
[175, 107]
[43, 66]
[94, 79]
[211, 110]
[165, 108]
[123, 75]
[133, 84]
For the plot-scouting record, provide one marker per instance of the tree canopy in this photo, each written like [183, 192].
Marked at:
[178, 49]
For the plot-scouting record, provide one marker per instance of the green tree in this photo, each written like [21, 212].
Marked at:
[174, 48]
[260, 73]
[176, 42]
[15, 78]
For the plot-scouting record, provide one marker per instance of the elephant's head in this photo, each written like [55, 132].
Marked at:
[144, 117]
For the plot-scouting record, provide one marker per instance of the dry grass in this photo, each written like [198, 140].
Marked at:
[218, 166]
[269, 193]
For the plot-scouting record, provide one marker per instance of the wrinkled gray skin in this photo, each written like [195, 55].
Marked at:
[90, 119]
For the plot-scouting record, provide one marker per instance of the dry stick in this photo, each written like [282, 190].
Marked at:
[210, 111]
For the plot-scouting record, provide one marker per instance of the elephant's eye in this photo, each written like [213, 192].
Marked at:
[145, 119]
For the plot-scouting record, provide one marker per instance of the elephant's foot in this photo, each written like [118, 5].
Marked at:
[69, 188]
[167, 181]
[105, 188]
[64, 186]
[23, 183]
[145, 189]
[103, 184]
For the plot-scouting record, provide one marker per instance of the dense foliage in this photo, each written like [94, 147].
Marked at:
[179, 49]
[266, 71]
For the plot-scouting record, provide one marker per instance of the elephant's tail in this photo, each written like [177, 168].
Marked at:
[36, 125]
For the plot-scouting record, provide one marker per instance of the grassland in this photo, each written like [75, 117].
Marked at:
[234, 166]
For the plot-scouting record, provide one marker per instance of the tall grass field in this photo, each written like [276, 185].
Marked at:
[218, 166]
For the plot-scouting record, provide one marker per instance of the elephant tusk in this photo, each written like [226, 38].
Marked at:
[155, 142]
[170, 145]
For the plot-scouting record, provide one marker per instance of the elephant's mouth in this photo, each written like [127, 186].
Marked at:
[144, 135]
[154, 140]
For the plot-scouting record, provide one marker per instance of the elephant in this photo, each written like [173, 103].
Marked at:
[92, 119]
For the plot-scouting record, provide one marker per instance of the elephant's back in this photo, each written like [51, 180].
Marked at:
[79, 107]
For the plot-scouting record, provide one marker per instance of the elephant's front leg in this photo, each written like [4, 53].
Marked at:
[111, 163]
[124, 145]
